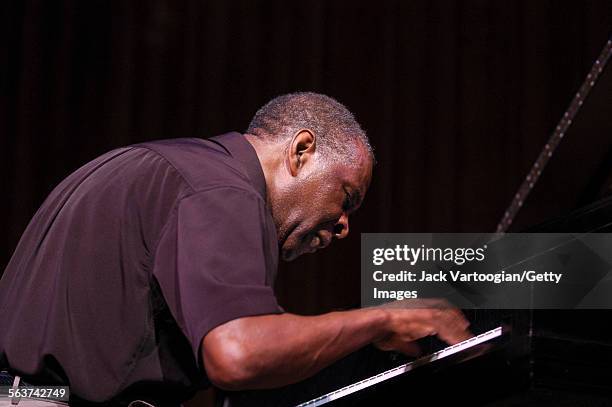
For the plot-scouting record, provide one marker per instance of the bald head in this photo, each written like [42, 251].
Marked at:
[339, 137]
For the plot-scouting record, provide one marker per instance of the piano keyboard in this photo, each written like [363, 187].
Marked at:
[370, 381]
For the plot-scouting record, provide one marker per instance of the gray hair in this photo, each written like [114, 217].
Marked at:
[333, 124]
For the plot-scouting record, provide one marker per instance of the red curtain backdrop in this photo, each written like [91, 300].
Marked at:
[458, 98]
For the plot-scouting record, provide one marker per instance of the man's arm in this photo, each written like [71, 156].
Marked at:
[275, 350]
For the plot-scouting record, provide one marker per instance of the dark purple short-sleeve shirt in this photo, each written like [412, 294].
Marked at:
[131, 261]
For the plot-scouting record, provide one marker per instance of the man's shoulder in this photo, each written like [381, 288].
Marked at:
[200, 163]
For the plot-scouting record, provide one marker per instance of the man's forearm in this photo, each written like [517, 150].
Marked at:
[276, 350]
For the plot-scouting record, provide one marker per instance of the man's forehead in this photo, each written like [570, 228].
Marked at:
[356, 176]
[355, 171]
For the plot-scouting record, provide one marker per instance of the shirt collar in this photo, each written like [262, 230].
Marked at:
[241, 150]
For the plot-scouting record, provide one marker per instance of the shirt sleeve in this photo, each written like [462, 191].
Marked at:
[211, 262]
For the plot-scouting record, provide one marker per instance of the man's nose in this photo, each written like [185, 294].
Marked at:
[341, 228]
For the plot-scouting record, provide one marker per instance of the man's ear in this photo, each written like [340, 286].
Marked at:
[301, 149]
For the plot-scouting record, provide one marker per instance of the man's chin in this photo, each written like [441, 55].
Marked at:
[289, 255]
[294, 247]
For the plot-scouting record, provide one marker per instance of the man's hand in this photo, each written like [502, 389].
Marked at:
[409, 320]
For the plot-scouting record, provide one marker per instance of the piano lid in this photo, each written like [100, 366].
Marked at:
[578, 171]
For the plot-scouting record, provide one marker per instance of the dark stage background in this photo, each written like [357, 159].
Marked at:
[458, 98]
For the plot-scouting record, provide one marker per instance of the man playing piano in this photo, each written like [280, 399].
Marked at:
[147, 273]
